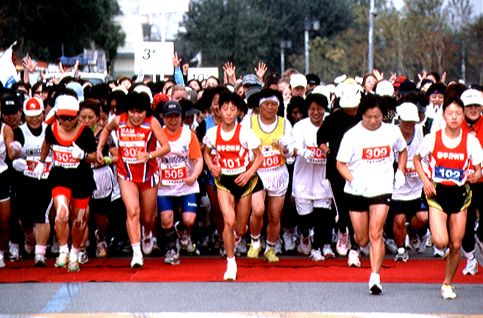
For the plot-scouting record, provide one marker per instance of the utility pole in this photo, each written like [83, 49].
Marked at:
[370, 64]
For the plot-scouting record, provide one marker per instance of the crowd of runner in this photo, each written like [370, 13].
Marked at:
[266, 163]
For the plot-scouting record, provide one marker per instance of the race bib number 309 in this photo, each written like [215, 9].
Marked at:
[374, 153]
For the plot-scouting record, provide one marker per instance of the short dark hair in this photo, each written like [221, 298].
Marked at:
[370, 101]
[137, 101]
[90, 104]
[234, 98]
[453, 100]
[296, 102]
[319, 99]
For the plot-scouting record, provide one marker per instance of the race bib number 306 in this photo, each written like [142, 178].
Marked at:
[374, 153]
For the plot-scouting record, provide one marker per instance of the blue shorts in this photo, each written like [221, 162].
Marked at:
[187, 203]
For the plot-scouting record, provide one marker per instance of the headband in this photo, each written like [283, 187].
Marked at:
[273, 98]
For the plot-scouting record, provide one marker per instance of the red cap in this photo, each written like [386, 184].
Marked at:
[399, 80]
[159, 97]
[33, 107]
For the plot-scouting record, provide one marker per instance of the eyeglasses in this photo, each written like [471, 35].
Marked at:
[67, 118]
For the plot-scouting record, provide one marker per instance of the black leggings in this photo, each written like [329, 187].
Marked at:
[322, 220]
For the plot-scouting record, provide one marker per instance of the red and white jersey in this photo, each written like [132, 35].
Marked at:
[232, 156]
[309, 179]
[178, 164]
[133, 140]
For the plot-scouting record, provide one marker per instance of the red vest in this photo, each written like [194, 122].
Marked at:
[232, 156]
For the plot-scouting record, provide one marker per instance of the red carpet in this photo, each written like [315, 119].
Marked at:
[211, 269]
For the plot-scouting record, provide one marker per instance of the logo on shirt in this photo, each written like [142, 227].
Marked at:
[450, 155]
[228, 148]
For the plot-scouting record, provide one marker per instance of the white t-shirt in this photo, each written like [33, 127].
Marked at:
[369, 155]
[309, 180]
[248, 139]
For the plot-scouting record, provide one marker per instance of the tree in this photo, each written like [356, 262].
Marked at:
[46, 29]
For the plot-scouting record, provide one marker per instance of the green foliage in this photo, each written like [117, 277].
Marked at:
[43, 27]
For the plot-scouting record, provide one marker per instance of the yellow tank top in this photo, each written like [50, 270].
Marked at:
[271, 150]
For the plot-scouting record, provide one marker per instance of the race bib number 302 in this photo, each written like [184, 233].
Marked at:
[63, 157]
[374, 153]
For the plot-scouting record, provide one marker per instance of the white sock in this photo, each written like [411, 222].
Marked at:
[470, 255]
[256, 244]
[74, 253]
[40, 249]
[231, 261]
[376, 277]
[136, 248]
[64, 249]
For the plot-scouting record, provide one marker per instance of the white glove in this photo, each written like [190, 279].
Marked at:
[307, 154]
[16, 147]
[284, 142]
[20, 164]
[39, 169]
[77, 153]
[358, 186]
[399, 179]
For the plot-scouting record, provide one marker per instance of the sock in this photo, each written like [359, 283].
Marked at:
[375, 277]
[470, 255]
[270, 245]
[231, 261]
[39, 249]
[255, 238]
[74, 252]
[64, 249]
[136, 248]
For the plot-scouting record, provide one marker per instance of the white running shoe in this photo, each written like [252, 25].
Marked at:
[172, 257]
[471, 267]
[278, 246]
[366, 250]
[328, 252]
[2, 260]
[316, 255]
[137, 260]
[82, 256]
[62, 260]
[375, 286]
[437, 252]
[391, 246]
[147, 243]
[342, 246]
[480, 246]
[353, 259]
[230, 273]
[29, 246]
[14, 252]
[447, 292]
[402, 255]
[288, 241]
[101, 248]
[182, 235]
[424, 242]
[39, 260]
[305, 246]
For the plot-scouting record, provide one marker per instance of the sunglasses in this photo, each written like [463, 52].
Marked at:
[67, 118]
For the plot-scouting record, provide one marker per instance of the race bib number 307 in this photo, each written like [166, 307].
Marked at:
[374, 153]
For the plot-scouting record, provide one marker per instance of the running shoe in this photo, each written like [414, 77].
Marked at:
[147, 243]
[190, 247]
[253, 252]
[230, 273]
[62, 260]
[328, 252]
[242, 247]
[182, 235]
[101, 249]
[2, 260]
[447, 292]
[480, 246]
[29, 246]
[82, 256]
[375, 286]
[316, 255]
[437, 252]
[353, 259]
[402, 255]
[39, 260]
[288, 241]
[414, 239]
[14, 253]
[270, 256]
[342, 246]
[391, 246]
[366, 250]
[137, 260]
[54, 249]
[73, 266]
[172, 257]
[424, 242]
[471, 267]
[305, 246]
[278, 246]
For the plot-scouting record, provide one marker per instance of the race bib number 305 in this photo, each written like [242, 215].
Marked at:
[374, 153]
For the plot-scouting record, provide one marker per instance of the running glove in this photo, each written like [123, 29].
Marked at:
[358, 186]
[399, 179]
[16, 147]
[77, 153]
[20, 164]
[284, 142]
[307, 154]
[39, 169]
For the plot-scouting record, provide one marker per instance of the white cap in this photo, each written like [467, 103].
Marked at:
[144, 89]
[120, 88]
[340, 79]
[66, 105]
[384, 88]
[350, 95]
[298, 80]
[408, 112]
[33, 107]
[472, 97]
[323, 90]
[77, 88]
